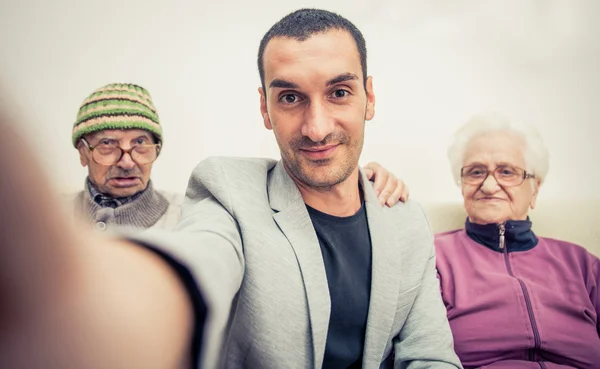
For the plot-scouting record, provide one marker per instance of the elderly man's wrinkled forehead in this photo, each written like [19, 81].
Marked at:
[320, 57]
[120, 135]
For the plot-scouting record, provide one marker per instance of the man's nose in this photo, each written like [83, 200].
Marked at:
[126, 161]
[317, 122]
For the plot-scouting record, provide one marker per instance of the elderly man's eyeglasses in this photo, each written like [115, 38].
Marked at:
[110, 153]
[505, 175]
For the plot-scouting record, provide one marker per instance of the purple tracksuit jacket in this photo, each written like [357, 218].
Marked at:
[515, 300]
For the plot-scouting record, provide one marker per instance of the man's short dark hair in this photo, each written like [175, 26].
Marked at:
[302, 24]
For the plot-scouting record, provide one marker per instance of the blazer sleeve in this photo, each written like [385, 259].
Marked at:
[425, 340]
[205, 249]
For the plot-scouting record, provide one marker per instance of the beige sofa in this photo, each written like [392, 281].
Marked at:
[577, 222]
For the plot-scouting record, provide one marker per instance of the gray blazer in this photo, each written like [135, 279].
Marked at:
[247, 238]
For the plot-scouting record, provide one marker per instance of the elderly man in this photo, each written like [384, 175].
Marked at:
[118, 136]
[275, 264]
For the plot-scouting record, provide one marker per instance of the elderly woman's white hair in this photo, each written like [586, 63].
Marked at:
[536, 152]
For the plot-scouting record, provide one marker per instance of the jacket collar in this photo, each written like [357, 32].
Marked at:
[518, 235]
[291, 215]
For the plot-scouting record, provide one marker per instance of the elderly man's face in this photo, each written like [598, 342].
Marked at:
[316, 104]
[125, 178]
[490, 202]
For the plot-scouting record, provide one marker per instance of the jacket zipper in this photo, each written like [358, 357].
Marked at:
[536, 334]
[501, 230]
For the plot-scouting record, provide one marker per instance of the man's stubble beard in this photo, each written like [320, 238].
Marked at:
[302, 173]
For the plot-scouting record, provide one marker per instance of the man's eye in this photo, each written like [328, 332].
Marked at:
[289, 98]
[106, 142]
[339, 94]
[141, 141]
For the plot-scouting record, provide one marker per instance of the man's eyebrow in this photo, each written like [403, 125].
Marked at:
[103, 137]
[147, 136]
[342, 78]
[280, 83]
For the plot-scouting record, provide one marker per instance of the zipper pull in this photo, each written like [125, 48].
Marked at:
[501, 229]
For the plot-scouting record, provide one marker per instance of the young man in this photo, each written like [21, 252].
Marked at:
[274, 264]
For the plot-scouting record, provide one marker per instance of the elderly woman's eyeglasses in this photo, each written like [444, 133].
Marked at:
[505, 175]
[110, 153]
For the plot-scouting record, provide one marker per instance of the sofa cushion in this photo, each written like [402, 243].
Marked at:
[577, 222]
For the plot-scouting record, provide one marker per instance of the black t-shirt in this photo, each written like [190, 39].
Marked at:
[346, 249]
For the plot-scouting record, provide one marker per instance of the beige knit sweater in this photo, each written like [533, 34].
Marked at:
[152, 209]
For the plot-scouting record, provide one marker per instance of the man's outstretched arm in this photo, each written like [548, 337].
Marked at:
[70, 299]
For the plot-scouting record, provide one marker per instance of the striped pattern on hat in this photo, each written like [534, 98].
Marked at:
[117, 106]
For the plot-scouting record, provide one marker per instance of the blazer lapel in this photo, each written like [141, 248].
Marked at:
[385, 277]
[293, 219]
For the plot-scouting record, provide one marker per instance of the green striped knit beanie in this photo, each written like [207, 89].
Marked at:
[117, 106]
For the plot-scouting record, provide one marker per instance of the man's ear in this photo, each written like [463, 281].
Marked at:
[263, 109]
[370, 113]
[535, 188]
[83, 159]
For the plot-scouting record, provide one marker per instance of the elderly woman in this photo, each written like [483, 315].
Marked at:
[513, 299]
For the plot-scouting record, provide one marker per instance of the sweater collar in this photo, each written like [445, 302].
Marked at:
[518, 235]
[143, 211]
[109, 201]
